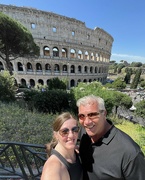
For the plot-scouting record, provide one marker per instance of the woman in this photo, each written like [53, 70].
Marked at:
[63, 162]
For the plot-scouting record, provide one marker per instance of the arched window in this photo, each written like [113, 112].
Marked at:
[20, 66]
[79, 69]
[38, 67]
[40, 81]
[47, 67]
[91, 69]
[72, 83]
[46, 51]
[80, 54]
[29, 67]
[72, 53]
[23, 82]
[86, 55]
[92, 56]
[32, 82]
[96, 70]
[55, 52]
[64, 53]
[64, 68]
[72, 69]
[56, 68]
[86, 69]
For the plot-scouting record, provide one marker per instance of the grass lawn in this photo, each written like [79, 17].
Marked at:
[136, 131]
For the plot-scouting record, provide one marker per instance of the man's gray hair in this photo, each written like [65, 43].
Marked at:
[91, 99]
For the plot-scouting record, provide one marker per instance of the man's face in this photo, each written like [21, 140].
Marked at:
[92, 119]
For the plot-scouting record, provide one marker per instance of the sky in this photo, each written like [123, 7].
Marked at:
[124, 20]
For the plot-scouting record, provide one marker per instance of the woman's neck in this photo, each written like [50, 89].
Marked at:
[68, 154]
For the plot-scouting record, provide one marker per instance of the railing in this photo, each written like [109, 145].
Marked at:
[21, 161]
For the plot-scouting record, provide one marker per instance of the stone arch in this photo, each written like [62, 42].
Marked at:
[86, 69]
[64, 52]
[56, 68]
[38, 67]
[55, 52]
[32, 82]
[72, 53]
[79, 69]
[23, 82]
[80, 54]
[86, 55]
[91, 69]
[92, 56]
[29, 67]
[46, 51]
[64, 68]
[40, 81]
[72, 69]
[47, 67]
[20, 66]
[72, 83]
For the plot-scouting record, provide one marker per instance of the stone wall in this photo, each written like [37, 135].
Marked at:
[68, 49]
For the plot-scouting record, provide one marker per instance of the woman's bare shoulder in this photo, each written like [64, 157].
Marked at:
[53, 169]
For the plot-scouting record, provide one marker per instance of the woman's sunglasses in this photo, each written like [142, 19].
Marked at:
[65, 132]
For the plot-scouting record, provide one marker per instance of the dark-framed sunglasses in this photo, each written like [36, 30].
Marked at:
[65, 132]
[91, 115]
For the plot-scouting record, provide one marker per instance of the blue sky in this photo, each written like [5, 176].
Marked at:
[124, 20]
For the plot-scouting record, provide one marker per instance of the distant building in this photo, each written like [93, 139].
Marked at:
[68, 49]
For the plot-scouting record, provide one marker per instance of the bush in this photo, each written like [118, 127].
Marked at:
[49, 101]
[7, 87]
[20, 125]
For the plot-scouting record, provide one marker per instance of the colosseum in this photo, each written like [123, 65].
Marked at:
[68, 49]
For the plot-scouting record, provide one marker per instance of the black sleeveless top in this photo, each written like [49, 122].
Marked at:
[74, 169]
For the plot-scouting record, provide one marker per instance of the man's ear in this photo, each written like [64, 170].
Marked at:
[105, 113]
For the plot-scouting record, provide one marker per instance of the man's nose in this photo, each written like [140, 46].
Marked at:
[87, 120]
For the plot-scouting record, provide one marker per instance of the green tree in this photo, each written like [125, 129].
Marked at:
[136, 64]
[140, 108]
[56, 83]
[7, 87]
[95, 88]
[128, 75]
[112, 98]
[15, 41]
[119, 84]
[142, 84]
[120, 67]
[122, 100]
[136, 79]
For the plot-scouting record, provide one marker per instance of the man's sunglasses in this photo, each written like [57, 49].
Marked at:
[65, 132]
[92, 115]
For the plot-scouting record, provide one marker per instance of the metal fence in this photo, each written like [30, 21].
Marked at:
[21, 161]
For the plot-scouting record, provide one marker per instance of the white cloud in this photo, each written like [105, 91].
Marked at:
[126, 57]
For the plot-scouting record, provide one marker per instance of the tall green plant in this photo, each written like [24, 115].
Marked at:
[136, 79]
[7, 87]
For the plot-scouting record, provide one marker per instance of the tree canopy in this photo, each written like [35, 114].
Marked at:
[15, 41]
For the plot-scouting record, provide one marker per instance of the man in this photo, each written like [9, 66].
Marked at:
[107, 153]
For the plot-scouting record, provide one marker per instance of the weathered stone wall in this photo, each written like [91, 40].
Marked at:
[67, 46]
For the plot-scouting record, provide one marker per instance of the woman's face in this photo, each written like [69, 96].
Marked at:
[68, 134]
